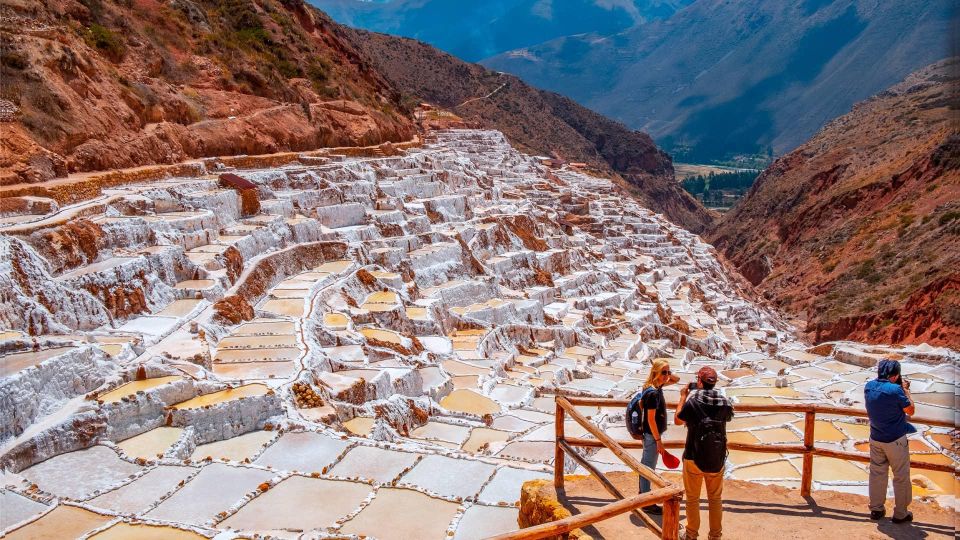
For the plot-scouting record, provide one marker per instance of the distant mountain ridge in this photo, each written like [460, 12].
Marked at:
[534, 120]
[721, 78]
[477, 29]
[857, 231]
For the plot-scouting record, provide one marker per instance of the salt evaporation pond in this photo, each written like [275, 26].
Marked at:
[386, 363]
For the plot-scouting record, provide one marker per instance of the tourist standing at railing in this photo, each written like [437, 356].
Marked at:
[888, 404]
[705, 412]
[647, 420]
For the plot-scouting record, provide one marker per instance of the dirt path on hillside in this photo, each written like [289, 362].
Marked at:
[759, 512]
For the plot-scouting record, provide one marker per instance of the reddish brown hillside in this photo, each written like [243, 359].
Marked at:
[858, 230]
[101, 84]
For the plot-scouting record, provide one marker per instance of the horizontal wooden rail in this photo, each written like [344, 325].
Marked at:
[583, 519]
[767, 449]
[784, 407]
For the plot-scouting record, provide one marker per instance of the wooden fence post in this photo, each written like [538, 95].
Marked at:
[671, 518]
[558, 451]
[806, 479]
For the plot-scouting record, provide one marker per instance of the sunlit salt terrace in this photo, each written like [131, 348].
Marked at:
[375, 351]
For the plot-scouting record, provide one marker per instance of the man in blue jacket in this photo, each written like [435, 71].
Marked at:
[888, 404]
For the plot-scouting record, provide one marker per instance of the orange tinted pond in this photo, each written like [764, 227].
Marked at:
[142, 531]
[230, 394]
[468, 401]
[135, 386]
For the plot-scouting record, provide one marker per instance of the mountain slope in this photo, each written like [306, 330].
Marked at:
[476, 29]
[536, 121]
[858, 230]
[117, 84]
[721, 78]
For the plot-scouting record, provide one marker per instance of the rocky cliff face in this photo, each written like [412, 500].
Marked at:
[536, 121]
[93, 85]
[858, 230]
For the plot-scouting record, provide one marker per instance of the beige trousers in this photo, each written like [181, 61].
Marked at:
[883, 457]
[693, 480]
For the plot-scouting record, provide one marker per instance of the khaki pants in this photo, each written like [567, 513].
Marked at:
[693, 479]
[884, 456]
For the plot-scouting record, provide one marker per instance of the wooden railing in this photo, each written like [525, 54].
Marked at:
[666, 492]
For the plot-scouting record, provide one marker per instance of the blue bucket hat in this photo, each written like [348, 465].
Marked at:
[887, 369]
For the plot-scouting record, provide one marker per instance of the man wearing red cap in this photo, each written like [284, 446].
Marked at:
[705, 412]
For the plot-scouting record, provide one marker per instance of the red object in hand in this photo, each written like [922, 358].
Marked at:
[670, 460]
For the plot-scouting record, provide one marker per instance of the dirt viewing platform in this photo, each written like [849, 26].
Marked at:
[755, 511]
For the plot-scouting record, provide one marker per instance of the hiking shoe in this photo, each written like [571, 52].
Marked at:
[877, 514]
[904, 519]
[654, 509]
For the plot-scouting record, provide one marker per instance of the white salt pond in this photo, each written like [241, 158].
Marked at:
[216, 488]
[79, 474]
[281, 508]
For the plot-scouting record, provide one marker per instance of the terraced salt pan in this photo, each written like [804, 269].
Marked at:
[150, 325]
[638, 249]
[149, 444]
[12, 363]
[245, 371]
[264, 326]
[832, 470]
[334, 267]
[760, 420]
[235, 449]
[402, 514]
[359, 425]
[503, 487]
[481, 521]
[373, 463]
[774, 470]
[380, 334]
[468, 401]
[282, 306]
[282, 507]
[79, 474]
[216, 488]
[441, 431]
[336, 321]
[257, 342]
[247, 354]
[15, 508]
[107, 264]
[480, 437]
[304, 451]
[137, 496]
[143, 531]
[528, 451]
[179, 308]
[448, 476]
[62, 522]
[223, 396]
[776, 435]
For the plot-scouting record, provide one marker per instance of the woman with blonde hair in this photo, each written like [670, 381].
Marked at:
[647, 419]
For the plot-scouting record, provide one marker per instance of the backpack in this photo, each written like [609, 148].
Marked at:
[635, 415]
[710, 443]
